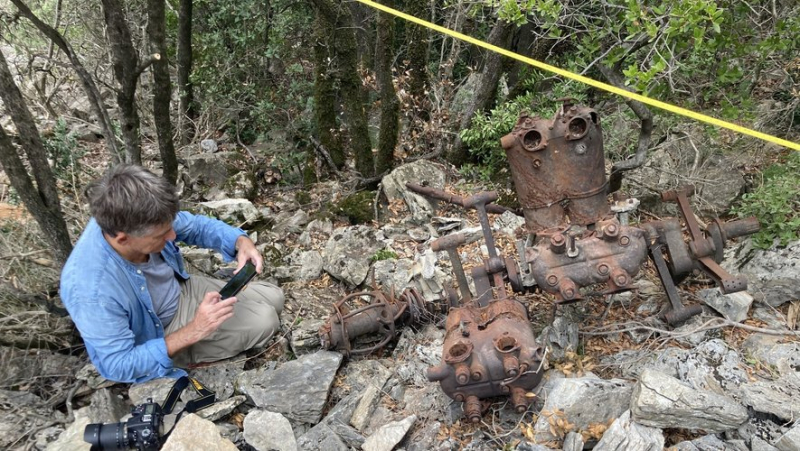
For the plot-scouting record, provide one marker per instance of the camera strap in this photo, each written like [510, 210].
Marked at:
[207, 397]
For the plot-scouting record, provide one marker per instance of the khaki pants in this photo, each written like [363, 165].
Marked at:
[255, 320]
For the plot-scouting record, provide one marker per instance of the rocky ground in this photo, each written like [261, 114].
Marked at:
[617, 378]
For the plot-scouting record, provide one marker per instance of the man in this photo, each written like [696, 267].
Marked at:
[125, 286]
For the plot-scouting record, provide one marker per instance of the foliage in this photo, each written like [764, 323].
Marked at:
[776, 203]
[383, 254]
[357, 207]
[483, 137]
[62, 149]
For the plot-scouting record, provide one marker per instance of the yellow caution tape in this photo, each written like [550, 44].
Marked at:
[586, 80]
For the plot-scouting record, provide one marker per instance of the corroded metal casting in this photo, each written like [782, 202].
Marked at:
[489, 351]
[378, 318]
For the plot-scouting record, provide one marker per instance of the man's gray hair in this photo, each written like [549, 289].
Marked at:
[131, 199]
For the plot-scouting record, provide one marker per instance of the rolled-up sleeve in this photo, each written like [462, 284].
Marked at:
[202, 231]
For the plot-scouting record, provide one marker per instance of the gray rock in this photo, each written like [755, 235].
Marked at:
[304, 266]
[713, 366]
[21, 411]
[206, 170]
[769, 350]
[790, 440]
[762, 429]
[523, 446]
[321, 438]
[419, 234]
[662, 401]
[208, 146]
[349, 435]
[218, 377]
[107, 407]
[157, 389]
[704, 443]
[193, 433]
[573, 442]
[92, 377]
[232, 211]
[626, 434]
[221, 409]
[267, 431]
[388, 436]
[394, 274]
[732, 306]
[688, 334]
[318, 229]
[72, 438]
[366, 405]
[297, 389]
[772, 275]
[508, 223]
[305, 337]
[760, 445]
[780, 397]
[348, 252]
[292, 224]
[421, 172]
[204, 260]
[415, 352]
[230, 431]
[561, 336]
[425, 437]
[770, 315]
[582, 401]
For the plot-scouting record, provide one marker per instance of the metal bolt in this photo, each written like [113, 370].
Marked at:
[569, 293]
[462, 379]
[459, 397]
[611, 229]
[580, 149]
[622, 280]
[476, 375]
[537, 163]
[603, 269]
[624, 240]
[552, 280]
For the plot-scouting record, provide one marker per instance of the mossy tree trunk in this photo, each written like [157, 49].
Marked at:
[487, 88]
[325, 96]
[41, 199]
[390, 107]
[162, 88]
[338, 23]
[186, 105]
[417, 40]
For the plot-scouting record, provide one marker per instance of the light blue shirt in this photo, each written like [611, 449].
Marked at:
[108, 299]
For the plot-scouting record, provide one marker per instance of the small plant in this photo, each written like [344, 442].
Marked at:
[62, 149]
[357, 207]
[776, 204]
[383, 254]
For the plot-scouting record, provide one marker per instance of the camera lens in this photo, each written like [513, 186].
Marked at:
[106, 436]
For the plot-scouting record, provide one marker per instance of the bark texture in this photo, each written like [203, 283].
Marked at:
[390, 107]
[186, 105]
[40, 198]
[162, 88]
[325, 97]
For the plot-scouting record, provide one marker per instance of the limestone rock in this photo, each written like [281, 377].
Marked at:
[780, 397]
[771, 350]
[790, 440]
[267, 431]
[217, 377]
[388, 436]
[221, 409]
[193, 433]
[394, 274]
[305, 337]
[582, 401]
[662, 401]
[626, 434]
[772, 275]
[232, 211]
[297, 389]
[509, 223]
[348, 252]
[733, 306]
[420, 172]
[366, 405]
[321, 438]
[208, 145]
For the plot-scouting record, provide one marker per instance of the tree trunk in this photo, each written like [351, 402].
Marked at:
[325, 97]
[338, 24]
[417, 53]
[186, 106]
[41, 199]
[362, 17]
[162, 89]
[390, 107]
[87, 82]
[125, 62]
[487, 88]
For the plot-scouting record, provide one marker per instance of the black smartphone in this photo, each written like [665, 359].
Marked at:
[239, 281]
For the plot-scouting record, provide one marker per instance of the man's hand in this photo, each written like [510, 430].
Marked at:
[210, 314]
[246, 251]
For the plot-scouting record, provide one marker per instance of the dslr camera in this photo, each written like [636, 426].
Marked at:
[143, 431]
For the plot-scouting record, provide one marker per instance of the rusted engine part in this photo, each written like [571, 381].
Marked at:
[489, 348]
[496, 269]
[568, 258]
[703, 252]
[453, 198]
[488, 351]
[558, 168]
[380, 318]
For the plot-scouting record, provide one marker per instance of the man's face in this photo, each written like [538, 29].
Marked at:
[153, 241]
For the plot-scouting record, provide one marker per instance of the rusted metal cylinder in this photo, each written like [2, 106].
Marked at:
[472, 409]
[534, 173]
[577, 147]
[741, 227]
[519, 399]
